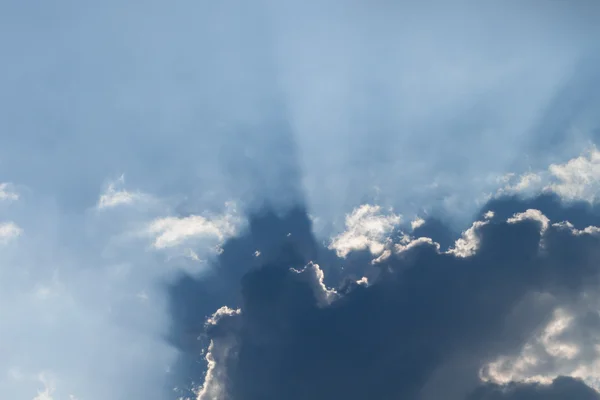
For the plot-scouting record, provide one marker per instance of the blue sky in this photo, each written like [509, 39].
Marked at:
[137, 137]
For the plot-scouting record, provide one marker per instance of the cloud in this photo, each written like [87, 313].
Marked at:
[533, 215]
[418, 222]
[315, 277]
[86, 286]
[578, 179]
[178, 124]
[469, 242]
[7, 192]
[173, 231]
[193, 299]
[409, 122]
[8, 231]
[215, 373]
[273, 110]
[566, 344]
[367, 227]
[115, 195]
[423, 329]
[46, 393]
[529, 184]
[560, 388]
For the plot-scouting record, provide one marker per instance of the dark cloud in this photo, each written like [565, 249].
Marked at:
[438, 231]
[562, 388]
[423, 328]
[282, 238]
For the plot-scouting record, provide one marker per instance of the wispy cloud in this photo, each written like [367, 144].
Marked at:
[8, 193]
[9, 231]
[367, 227]
[173, 231]
[116, 195]
[577, 179]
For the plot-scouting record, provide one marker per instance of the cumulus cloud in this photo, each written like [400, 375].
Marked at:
[173, 231]
[367, 227]
[533, 215]
[552, 352]
[577, 179]
[426, 327]
[469, 242]
[528, 184]
[273, 108]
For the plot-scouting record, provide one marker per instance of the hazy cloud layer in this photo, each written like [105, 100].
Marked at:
[415, 106]
[84, 313]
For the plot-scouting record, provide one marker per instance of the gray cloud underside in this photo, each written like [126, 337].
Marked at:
[561, 388]
[424, 327]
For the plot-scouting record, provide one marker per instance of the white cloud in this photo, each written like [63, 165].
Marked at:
[367, 227]
[216, 374]
[589, 230]
[409, 243]
[7, 193]
[8, 231]
[531, 214]
[364, 281]
[468, 243]
[47, 392]
[528, 181]
[314, 275]
[416, 223]
[382, 257]
[220, 313]
[578, 179]
[562, 347]
[116, 195]
[173, 231]
[528, 184]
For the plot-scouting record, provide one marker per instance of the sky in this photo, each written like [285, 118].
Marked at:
[299, 199]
